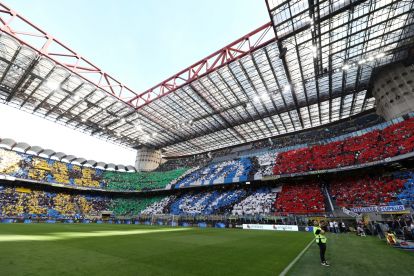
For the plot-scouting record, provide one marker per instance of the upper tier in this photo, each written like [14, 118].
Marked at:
[35, 168]
[361, 148]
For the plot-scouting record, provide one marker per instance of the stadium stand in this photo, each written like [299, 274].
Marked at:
[305, 198]
[140, 180]
[16, 201]
[224, 172]
[206, 203]
[383, 141]
[269, 145]
[406, 195]
[131, 206]
[30, 167]
[366, 190]
[259, 202]
[159, 207]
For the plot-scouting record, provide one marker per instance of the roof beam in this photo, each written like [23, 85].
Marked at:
[22, 78]
[226, 122]
[235, 50]
[257, 117]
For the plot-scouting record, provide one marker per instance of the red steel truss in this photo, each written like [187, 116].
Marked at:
[45, 44]
[227, 54]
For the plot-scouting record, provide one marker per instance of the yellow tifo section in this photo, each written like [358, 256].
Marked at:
[39, 169]
[86, 178]
[9, 161]
[23, 190]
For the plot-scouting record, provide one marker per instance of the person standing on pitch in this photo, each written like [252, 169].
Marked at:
[321, 242]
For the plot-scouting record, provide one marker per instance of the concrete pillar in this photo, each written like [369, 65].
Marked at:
[147, 159]
[393, 89]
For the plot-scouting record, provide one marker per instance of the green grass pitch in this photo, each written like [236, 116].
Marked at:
[67, 249]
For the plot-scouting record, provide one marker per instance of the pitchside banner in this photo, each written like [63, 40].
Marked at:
[273, 227]
[382, 209]
[349, 212]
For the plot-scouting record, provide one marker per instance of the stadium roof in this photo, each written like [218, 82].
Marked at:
[309, 66]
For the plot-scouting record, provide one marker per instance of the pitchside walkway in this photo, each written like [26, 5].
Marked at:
[352, 255]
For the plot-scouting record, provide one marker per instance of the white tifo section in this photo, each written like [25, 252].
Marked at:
[184, 175]
[258, 203]
[158, 207]
[194, 204]
[394, 91]
[274, 227]
[24, 127]
[266, 162]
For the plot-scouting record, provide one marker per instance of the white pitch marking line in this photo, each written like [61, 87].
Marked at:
[74, 235]
[292, 263]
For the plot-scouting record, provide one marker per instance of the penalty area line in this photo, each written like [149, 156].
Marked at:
[292, 263]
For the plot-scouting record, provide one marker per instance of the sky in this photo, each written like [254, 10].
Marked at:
[138, 42]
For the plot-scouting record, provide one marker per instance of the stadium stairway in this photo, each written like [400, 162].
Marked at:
[78, 209]
[331, 206]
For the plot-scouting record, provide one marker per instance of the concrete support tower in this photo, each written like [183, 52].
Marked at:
[393, 90]
[147, 159]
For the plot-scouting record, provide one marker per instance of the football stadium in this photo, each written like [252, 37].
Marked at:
[289, 151]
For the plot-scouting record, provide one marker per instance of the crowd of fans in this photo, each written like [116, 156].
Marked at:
[302, 198]
[140, 180]
[372, 146]
[306, 198]
[185, 162]
[365, 191]
[17, 202]
[224, 172]
[266, 162]
[259, 202]
[52, 171]
[131, 206]
[307, 136]
[159, 207]
[207, 203]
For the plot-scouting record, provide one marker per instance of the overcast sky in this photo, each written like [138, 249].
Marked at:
[139, 42]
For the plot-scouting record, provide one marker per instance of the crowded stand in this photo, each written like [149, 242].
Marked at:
[373, 145]
[306, 136]
[303, 198]
[266, 162]
[26, 166]
[184, 162]
[18, 202]
[406, 196]
[130, 206]
[259, 202]
[367, 190]
[306, 198]
[222, 172]
[159, 207]
[140, 180]
[206, 203]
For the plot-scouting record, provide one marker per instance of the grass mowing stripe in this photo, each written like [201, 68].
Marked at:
[292, 263]
[350, 255]
[160, 252]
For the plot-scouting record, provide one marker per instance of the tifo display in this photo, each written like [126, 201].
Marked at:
[304, 198]
[376, 143]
